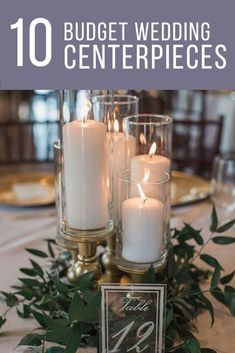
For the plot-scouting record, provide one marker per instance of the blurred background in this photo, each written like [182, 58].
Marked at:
[204, 125]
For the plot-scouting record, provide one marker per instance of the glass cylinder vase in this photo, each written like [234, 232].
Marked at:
[143, 221]
[85, 175]
[61, 241]
[58, 181]
[113, 109]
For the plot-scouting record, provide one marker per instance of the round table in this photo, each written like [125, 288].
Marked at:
[25, 228]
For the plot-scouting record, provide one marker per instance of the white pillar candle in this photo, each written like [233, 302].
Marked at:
[157, 164]
[142, 229]
[85, 170]
[120, 149]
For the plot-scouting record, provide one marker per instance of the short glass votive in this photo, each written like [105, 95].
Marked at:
[152, 135]
[85, 176]
[143, 221]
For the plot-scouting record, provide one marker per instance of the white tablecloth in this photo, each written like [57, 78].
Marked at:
[18, 232]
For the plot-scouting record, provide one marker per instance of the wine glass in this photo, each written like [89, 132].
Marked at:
[223, 184]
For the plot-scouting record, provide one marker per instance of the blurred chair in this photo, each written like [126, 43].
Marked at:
[154, 101]
[190, 103]
[28, 126]
[195, 143]
[27, 142]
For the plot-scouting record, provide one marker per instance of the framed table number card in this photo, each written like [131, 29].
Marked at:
[132, 318]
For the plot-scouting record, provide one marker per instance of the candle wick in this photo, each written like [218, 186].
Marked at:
[141, 192]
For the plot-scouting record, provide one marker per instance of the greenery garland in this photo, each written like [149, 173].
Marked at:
[68, 314]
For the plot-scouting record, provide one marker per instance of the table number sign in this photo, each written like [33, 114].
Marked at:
[132, 318]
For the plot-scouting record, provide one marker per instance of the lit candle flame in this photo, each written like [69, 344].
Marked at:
[144, 180]
[153, 149]
[146, 175]
[109, 125]
[123, 124]
[116, 125]
[107, 119]
[142, 139]
[86, 107]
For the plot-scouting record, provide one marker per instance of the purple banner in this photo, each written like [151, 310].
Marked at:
[122, 44]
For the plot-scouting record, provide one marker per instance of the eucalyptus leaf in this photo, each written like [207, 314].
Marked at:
[10, 299]
[31, 339]
[58, 336]
[37, 268]
[55, 349]
[181, 308]
[50, 248]
[90, 313]
[218, 295]
[26, 293]
[215, 277]
[209, 307]
[225, 226]
[40, 317]
[192, 346]
[177, 350]
[229, 289]
[169, 316]
[223, 240]
[37, 252]
[59, 324]
[29, 272]
[73, 339]
[230, 301]
[88, 295]
[60, 286]
[183, 276]
[94, 308]
[85, 281]
[195, 234]
[31, 282]
[172, 266]
[2, 321]
[184, 250]
[210, 260]
[51, 240]
[76, 307]
[214, 220]
[24, 312]
[228, 278]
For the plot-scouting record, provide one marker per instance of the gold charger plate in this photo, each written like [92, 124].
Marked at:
[44, 180]
[187, 188]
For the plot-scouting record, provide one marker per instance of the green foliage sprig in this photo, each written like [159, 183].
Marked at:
[68, 315]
